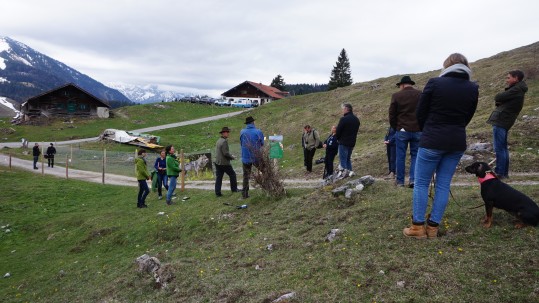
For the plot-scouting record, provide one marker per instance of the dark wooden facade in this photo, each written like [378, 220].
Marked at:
[67, 100]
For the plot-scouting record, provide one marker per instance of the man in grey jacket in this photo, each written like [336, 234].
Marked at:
[508, 105]
[222, 163]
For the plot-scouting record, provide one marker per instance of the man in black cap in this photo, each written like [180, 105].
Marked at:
[222, 163]
[403, 120]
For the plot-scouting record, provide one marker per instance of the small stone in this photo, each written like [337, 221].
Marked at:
[284, 297]
[400, 284]
[7, 275]
[269, 247]
[381, 272]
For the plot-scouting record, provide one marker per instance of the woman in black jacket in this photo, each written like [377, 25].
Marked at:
[445, 108]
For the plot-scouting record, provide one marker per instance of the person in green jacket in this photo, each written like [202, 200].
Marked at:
[173, 171]
[508, 105]
[143, 175]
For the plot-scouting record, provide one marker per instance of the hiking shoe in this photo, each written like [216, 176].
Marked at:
[160, 197]
[411, 185]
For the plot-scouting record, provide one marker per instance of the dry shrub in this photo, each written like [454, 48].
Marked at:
[267, 175]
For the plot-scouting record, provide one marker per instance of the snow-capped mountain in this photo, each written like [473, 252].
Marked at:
[147, 93]
[25, 72]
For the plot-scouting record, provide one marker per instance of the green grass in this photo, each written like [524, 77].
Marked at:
[72, 241]
[127, 118]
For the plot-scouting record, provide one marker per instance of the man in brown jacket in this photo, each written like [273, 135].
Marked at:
[402, 118]
[222, 163]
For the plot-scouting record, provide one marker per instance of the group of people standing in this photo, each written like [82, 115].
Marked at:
[432, 123]
[167, 168]
[341, 140]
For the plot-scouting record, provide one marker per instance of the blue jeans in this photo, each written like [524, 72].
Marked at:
[171, 187]
[402, 139]
[162, 181]
[430, 161]
[345, 154]
[502, 153]
[142, 192]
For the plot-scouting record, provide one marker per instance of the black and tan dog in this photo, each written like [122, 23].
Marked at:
[497, 194]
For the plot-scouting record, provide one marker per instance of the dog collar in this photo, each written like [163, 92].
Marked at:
[488, 176]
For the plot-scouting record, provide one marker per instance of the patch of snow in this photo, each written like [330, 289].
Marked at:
[2, 79]
[4, 46]
[2, 63]
[6, 103]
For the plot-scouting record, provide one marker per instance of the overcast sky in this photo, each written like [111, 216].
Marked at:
[210, 46]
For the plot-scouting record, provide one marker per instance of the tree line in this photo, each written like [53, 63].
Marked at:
[341, 76]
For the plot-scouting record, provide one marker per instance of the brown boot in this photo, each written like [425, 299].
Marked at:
[417, 231]
[432, 231]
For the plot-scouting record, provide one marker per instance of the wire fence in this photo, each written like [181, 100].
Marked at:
[198, 165]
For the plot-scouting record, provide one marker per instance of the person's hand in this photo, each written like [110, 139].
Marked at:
[325, 145]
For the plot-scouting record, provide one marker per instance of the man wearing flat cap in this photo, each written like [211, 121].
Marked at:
[222, 163]
[251, 140]
[402, 118]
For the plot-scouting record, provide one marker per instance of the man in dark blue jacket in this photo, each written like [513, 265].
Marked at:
[508, 105]
[346, 135]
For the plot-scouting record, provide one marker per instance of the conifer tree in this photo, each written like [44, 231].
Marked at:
[278, 82]
[341, 75]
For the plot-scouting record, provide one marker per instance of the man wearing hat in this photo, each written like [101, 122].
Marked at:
[402, 118]
[222, 163]
[251, 140]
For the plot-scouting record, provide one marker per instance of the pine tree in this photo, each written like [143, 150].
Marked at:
[341, 75]
[278, 82]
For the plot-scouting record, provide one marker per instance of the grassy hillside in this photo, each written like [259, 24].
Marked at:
[321, 110]
[71, 241]
[128, 118]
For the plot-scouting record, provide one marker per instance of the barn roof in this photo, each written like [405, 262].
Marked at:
[267, 90]
[105, 104]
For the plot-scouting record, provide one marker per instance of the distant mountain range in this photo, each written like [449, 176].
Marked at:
[146, 94]
[25, 72]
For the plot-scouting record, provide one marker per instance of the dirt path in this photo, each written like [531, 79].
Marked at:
[60, 172]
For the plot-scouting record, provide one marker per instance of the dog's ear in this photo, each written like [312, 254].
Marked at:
[481, 170]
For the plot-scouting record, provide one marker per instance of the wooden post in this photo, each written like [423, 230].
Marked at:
[104, 162]
[71, 147]
[42, 160]
[10, 161]
[182, 167]
[67, 167]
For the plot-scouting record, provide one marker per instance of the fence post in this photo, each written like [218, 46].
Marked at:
[10, 161]
[182, 166]
[67, 167]
[104, 161]
[71, 147]
[42, 160]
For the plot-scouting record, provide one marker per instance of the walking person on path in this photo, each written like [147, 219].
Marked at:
[143, 175]
[36, 152]
[173, 171]
[51, 151]
[222, 163]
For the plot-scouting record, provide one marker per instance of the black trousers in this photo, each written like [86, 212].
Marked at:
[51, 161]
[247, 168]
[328, 162]
[308, 156]
[220, 171]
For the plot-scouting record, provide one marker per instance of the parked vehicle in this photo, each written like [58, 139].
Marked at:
[244, 103]
[222, 102]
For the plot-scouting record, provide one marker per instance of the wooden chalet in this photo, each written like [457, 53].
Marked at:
[255, 91]
[66, 100]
